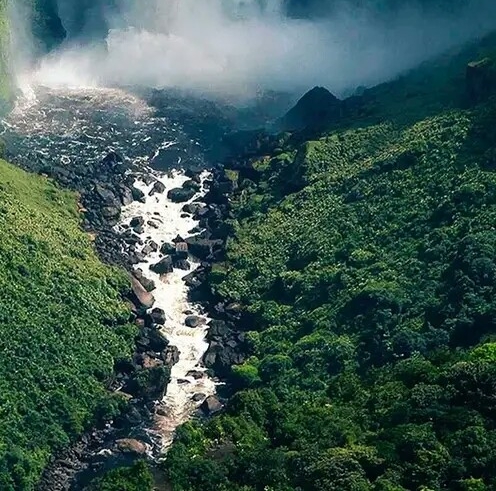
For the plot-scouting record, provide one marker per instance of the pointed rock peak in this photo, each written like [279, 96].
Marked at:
[318, 106]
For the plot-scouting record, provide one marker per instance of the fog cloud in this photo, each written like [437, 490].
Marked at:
[239, 47]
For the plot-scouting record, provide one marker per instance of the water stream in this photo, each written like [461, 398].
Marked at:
[76, 127]
[163, 222]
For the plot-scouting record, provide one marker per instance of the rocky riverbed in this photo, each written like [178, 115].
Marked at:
[160, 214]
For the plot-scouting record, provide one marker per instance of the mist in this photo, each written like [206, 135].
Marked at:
[238, 48]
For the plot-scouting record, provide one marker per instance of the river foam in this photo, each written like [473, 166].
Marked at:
[164, 221]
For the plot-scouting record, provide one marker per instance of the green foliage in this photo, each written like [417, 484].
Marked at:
[62, 324]
[135, 478]
[366, 260]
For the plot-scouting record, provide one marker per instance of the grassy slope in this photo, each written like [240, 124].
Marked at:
[61, 325]
[372, 293]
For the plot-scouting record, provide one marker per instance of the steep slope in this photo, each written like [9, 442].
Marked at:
[62, 324]
[365, 259]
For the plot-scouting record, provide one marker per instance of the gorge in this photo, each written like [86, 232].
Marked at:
[210, 282]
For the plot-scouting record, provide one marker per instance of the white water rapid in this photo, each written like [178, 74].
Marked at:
[73, 129]
[164, 221]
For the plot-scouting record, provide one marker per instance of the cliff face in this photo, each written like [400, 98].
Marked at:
[6, 91]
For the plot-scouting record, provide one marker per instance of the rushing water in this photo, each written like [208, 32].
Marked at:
[72, 127]
[164, 221]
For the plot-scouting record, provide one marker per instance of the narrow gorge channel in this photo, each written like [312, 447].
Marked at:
[160, 221]
[142, 175]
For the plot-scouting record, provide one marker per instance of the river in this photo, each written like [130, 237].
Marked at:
[75, 128]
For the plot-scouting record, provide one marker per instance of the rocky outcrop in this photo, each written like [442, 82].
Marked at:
[318, 107]
[480, 80]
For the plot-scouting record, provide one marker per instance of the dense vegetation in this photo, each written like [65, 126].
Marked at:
[62, 324]
[366, 262]
[134, 478]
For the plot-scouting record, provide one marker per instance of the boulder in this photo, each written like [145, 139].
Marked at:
[198, 397]
[191, 208]
[196, 374]
[191, 184]
[164, 266]
[131, 446]
[137, 222]
[148, 285]
[194, 321]
[183, 264]
[126, 195]
[180, 195]
[217, 328]
[157, 316]
[202, 248]
[167, 248]
[144, 298]
[138, 195]
[105, 194]
[111, 212]
[158, 187]
[170, 355]
[211, 405]
[156, 340]
[181, 250]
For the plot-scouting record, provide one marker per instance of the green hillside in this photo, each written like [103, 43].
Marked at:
[366, 262]
[62, 323]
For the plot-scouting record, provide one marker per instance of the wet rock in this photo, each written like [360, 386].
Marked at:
[170, 355]
[136, 222]
[111, 212]
[196, 374]
[138, 195]
[183, 264]
[152, 340]
[167, 248]
[157, 316]
[153, 224]
[198, 397]
[191, 184]
[192, 280]
[164, 266]
[180, 195]
[217, 328]
[148, 285]
[111, 160]
[158, 187]
[211, 405]
[191, 208]
[142, 297]
[150, 247]
[106, 195]
[181, 250]
[194, 321]
[157, 341]
[130, 445]
[126, 195]
[202, 248]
